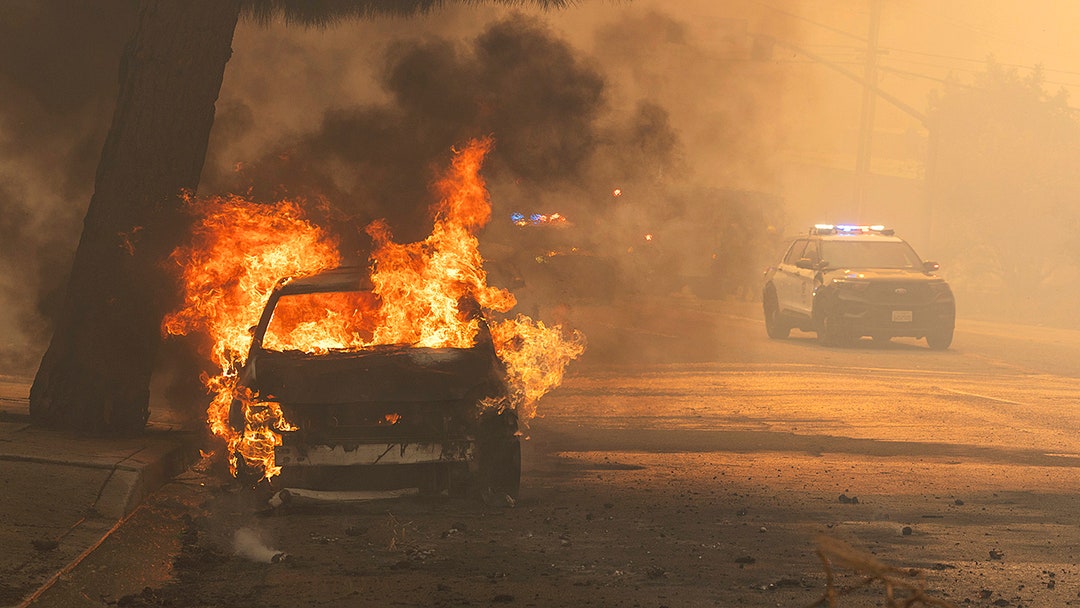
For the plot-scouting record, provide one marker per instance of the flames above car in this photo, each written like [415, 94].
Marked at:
[241, 250]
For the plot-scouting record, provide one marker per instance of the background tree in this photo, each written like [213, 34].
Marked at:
[1003, 187]
[95, 375]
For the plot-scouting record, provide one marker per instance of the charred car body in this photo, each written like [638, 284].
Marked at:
[381, 417]
[845, 282]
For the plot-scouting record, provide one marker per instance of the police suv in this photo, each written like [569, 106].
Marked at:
[847, 281]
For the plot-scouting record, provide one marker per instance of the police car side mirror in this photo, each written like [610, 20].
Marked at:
[930, 266]
[805, 264]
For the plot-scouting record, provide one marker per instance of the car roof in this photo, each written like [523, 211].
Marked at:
[343, 278]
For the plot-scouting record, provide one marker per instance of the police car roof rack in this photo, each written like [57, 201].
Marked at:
[824, 229]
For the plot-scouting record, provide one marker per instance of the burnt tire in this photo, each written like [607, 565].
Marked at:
[940, 339]
[502, 476]
[775, 326]
[498, 457]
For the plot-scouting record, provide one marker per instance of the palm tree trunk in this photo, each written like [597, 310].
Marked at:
[95, 376]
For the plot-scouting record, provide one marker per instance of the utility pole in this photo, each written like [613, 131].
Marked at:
[866, 124]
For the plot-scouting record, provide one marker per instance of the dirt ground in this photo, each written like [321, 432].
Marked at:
[950, 476]
[624, 529]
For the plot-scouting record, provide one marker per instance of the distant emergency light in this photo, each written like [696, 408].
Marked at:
[537, 219]
[820, 229]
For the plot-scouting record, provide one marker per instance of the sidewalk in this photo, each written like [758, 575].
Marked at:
[61, 495]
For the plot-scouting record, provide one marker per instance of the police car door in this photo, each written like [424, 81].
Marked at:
[786, 279]
[807, 272]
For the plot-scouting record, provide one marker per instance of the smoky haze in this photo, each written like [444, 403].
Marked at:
[718, 141]
[58, 79]
[638, 102]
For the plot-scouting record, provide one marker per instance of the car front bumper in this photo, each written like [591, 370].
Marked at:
[896, 320]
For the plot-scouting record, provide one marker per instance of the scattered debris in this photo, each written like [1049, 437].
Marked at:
[906, 531]
[655, 572]
[849, 500]
[297, 496]
[498, 499]
[785, 582]
[995, 554]
[397, 531]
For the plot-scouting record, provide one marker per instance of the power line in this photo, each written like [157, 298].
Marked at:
[810, 21]
[906, 5]
[984, 61]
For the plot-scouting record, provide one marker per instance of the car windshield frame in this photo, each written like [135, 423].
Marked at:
[896, 255]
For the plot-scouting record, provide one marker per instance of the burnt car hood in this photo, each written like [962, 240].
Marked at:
[385, 373]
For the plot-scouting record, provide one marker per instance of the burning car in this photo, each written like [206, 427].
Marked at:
[382, 416]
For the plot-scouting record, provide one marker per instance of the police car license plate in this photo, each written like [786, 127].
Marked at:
[901, 316]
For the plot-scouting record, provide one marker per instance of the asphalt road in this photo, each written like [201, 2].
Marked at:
[687, 460]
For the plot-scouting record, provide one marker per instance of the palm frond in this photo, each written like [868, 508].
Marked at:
[321, 13]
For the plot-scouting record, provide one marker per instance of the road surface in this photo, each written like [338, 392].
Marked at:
[687, 460]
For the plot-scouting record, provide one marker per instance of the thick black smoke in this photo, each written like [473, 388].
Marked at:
[544, 103]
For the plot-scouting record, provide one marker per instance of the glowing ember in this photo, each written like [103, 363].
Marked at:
[426, 294]
[617, 192]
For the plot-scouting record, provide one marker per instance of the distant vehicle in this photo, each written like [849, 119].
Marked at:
[845, 282]
[382, 417]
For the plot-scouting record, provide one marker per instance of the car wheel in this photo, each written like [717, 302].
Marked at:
[774, 322]
[505, 478]
[498, 459]
[832, 332]
[940, 339]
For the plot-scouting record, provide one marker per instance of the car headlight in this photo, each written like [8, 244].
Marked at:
[850, 286]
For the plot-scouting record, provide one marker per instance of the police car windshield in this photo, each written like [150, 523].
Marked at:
[869, 254]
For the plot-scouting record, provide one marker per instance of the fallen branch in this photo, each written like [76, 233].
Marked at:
[895, 580]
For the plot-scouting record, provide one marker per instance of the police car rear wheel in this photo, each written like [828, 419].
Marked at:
[774, 322]
[939, 340]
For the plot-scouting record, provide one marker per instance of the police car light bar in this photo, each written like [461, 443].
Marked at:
[849, 229]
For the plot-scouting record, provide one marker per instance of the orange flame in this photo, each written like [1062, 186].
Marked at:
[421, 283]
[535, 356]
[240, 250]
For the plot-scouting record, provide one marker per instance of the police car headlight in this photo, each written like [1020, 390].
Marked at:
[850, 286]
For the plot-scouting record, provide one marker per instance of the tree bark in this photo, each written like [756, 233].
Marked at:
[95, 375]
